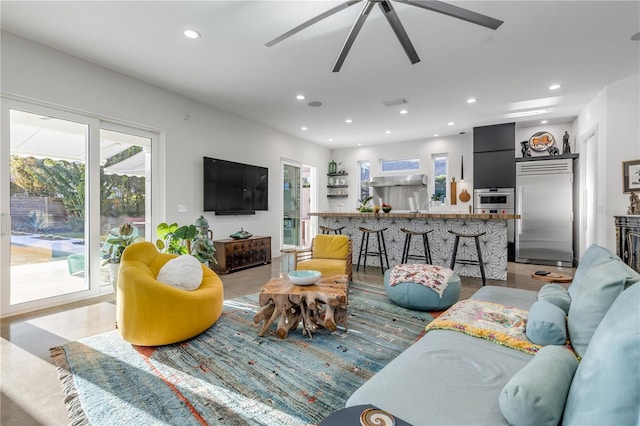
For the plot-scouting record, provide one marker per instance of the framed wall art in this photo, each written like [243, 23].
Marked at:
[631, 176]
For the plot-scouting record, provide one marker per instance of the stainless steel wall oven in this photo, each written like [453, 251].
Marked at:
[498, 201]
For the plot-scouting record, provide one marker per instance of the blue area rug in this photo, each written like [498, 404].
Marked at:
[228, 375]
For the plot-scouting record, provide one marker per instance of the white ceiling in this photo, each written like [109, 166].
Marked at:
[584, 45]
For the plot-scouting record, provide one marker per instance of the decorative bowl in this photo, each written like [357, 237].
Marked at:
[386, 209]
[303, 277]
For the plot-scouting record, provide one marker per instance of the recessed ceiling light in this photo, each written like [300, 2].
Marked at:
[471, 100]
[435, 135]
[303, 128]
[300, 97]
[348, 120]
[451, 123]
[544, 122]
[403, 111]
[388, 132]
[555, 87]
[330, 139]
[359, 144]
[191, 34]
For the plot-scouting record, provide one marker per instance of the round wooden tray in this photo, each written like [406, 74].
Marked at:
[553, 277]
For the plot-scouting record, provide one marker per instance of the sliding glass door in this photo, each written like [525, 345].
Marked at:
[66, 181]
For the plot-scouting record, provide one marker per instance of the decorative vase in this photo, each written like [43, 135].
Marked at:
[333, 167]
[113, 275]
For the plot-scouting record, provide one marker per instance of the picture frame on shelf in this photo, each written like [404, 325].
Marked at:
[631, 176]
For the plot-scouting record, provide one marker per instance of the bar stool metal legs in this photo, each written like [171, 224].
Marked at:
[478, 262]
[327, 230]
[364, 246]
[407, 244]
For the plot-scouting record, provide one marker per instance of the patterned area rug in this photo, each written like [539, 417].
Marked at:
[228, 375]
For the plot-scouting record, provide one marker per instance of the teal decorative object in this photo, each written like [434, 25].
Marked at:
[202, 247]
[241, 234]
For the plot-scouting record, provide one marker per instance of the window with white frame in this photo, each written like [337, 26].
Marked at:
[365, 174]
[440, 173]
[405, 165]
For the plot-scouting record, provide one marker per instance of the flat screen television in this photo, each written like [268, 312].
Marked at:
[232, 188]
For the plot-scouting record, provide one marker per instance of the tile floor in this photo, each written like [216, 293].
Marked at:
[29, 387]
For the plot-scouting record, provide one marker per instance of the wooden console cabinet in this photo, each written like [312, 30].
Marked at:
[628, 240]
[233, 255]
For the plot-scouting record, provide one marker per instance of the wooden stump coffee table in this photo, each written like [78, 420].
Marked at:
[323, 304]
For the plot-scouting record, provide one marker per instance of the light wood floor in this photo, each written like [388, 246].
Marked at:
[31, 393]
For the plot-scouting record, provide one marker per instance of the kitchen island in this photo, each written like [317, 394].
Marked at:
[493, 244]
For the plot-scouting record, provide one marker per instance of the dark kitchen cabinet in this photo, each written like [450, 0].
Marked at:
[497, 137]
[494, 162]
[495, 169]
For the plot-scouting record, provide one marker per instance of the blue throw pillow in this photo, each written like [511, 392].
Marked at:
[606, 386]
[592, 256]
[546, 324]
[598, 290]
[536, 394]
[557, 295]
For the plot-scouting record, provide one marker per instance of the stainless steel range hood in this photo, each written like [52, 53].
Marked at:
[408, 192]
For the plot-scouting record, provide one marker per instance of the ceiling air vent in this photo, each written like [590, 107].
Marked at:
[395, 102]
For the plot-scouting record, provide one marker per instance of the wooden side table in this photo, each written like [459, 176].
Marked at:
[288, 252]
[553, 277]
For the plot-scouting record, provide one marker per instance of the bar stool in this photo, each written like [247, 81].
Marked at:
[327, 230]
[468, 261]
[407, 244]
[364, 246]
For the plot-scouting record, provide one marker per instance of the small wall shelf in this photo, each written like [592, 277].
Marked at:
[337, 185]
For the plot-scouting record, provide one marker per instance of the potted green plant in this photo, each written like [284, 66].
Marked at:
[175, 239]
[117, 240]
[364, 205]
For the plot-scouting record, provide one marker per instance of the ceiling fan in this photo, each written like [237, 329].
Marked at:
[390, 13]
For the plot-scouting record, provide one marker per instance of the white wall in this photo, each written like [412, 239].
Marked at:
[34, 71]
[615, 113]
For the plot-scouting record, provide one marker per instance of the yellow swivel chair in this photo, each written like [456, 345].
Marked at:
[151, 313]
[328, 254]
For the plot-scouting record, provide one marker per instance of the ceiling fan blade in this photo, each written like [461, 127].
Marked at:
[312, 21]
[456, 12]
[353, 34]
[396, 25]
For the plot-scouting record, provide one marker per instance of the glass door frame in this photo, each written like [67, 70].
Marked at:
[284, 165]
[313, 194]
[92, 226]
[154, 200]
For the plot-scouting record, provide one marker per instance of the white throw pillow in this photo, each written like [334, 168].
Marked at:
[184, 272]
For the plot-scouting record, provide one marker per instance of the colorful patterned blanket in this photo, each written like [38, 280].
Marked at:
[433, 276]
[504, 325]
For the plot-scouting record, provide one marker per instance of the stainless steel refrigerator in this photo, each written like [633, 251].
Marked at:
[544, 199]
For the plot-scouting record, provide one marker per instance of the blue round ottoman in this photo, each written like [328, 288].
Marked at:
[420, 297]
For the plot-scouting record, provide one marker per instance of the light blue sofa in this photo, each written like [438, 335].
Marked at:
[450, 378]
